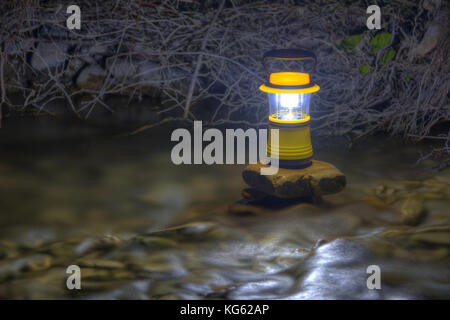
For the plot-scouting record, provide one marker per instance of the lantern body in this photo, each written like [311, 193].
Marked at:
[289, 99]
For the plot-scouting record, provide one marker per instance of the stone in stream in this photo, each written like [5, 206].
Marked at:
[253, 194]
[121, 69]
[100, 264]
[321, 178]
[412, 209]
[74, 65]
[194, 231]
[49, 55]
[8, 249]
[39, 262]
[408, 197]
[91, 78]
[103, 243]
[257, 202]
[151, 77]
[246, 209]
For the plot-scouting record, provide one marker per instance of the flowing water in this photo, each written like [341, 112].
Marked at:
[140, 227]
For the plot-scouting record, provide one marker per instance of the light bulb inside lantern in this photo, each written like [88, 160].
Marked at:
[289, 100]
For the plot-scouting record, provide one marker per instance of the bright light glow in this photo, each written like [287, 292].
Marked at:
[289, 100]
[288, 116]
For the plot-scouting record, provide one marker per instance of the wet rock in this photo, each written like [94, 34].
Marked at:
[407, 197]
[20, 47]
[269, 288]
[415, 245]
[162, 265]
[152, 77]
[121, 69]
[108, 241]
[388, 193]
[150, 71]
[175, 74]
[432, 196]
[434, 235]
[431, 5]
[36, 262]
[49, 55]
[194, 231]
[411, 210]
[100, 264]
[74, 65]
[253, 194]
[94, 53]
[321, 178]
[39, 263]
[266, 204]
[149, 75]
[8, 249]
[135, 290]
[91, 78]
[436, 32]
[194, 228]
[337, 270]
[246, 209]
[34, 238]
[9, 270]
[98, 244]
[155, 242]
[323, 274]
[96, 274]
[61, 249]
[437, 186]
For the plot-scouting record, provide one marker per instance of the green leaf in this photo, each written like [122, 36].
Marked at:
[380, 41]
[387, 56]
[408, 77]
[351, 41]
[364, 69]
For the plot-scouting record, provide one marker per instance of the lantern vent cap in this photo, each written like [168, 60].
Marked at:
[289, 82]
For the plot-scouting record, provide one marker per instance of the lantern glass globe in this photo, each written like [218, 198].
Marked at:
[289, 106]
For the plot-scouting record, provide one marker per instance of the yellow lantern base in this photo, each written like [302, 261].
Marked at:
[294, 149]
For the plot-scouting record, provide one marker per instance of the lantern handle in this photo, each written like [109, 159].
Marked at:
[290, 54]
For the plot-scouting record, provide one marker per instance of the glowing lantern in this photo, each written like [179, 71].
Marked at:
[289, 99]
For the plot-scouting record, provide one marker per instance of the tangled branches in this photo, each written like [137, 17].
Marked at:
[204, 59]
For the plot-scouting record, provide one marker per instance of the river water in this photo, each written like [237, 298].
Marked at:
[140, 227]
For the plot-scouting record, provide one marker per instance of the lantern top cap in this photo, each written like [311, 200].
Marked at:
[289, 82]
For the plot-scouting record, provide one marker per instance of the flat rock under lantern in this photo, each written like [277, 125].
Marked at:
[321, 178]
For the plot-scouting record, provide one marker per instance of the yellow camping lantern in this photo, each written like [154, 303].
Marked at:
[289, 99]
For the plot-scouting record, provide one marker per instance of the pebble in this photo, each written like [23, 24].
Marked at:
[411, 210]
